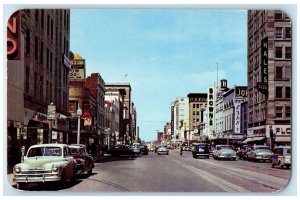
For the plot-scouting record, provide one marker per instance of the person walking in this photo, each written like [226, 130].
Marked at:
[181, 150]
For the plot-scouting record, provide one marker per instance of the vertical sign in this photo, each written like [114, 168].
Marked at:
[172, 120]
[13, 37]
[210, 106]
[237, 120]
[263, 85]
[264, 60]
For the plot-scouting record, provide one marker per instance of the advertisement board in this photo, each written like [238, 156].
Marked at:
[13, 37]
[77, 72]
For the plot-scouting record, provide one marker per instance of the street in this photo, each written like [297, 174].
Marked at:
[175, 173]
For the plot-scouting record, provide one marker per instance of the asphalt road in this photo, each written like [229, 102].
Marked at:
[175, 173]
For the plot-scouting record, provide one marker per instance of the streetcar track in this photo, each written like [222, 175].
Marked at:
[264, 179]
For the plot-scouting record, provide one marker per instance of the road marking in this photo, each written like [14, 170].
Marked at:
[264, 179]
[225, 185]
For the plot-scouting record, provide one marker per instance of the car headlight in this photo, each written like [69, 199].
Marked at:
[17, 169]
[54, 168]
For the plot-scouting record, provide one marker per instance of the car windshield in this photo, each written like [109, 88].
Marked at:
[44, 151]
[262, 148]
[224, 147]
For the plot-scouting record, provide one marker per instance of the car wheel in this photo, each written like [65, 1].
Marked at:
[62, 182]
[21, 186]
[273, 165]
[90, 172]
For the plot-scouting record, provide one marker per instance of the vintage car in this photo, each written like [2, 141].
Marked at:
[282, 157]
[200, 149]
[123, 150]
[242, 153]
[260, 152]
[85, 162]
[144, 149]
[45, 163]
[224, 152]
[162, 150]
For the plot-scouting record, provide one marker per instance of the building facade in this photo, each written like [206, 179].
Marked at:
[126, 123]
[269, 76]
[197, 105]
[37, 71]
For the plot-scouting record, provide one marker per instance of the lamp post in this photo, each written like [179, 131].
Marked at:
[79, 113]
[108, 138]
[271, 136]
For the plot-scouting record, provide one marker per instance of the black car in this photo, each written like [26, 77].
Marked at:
[200, 149]
[123, 150]
[144, 149]
[242, 153]
[85, 162]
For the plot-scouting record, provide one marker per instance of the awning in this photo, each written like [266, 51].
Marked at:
[247, 140]
[283, 139]
[253, 139]
[257, 138]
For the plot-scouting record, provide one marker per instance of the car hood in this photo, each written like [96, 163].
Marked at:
[42, 162]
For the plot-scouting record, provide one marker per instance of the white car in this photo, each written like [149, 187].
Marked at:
[162, 150]
[45, 163]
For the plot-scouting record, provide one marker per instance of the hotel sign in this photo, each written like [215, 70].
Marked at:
[13, 37]
[263, 85]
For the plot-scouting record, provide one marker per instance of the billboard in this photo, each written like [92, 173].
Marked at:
[77, 72]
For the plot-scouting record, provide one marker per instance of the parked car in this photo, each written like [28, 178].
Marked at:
[282, 157]
[224, 152]
[123, 150]
[144, 149]
[45, 163]
[85, 162]
[162, 150]
[200, 149]
[260, 152]
[135, 149]
[242, 153]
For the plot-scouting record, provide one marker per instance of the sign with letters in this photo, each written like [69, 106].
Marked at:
[263, 85]
[13, 37]
[77, 72]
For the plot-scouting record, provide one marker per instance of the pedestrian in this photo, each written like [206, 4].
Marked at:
[181, 150]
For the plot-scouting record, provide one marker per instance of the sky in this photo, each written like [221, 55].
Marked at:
[162, 53]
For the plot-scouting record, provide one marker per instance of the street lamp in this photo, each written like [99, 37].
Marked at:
[79, 113]
[108, 138]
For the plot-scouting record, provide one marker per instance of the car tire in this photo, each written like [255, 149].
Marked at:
[273, 165]
[62, 182]
[21, 186]
[90, 172]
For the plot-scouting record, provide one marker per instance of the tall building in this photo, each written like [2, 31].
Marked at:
[126, 133]
[269, 76]
[181, 123]
[37, 75]
[197, 105]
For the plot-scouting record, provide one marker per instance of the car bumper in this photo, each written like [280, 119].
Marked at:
[162, 152]
[201, 154]
[227, 157]
[263, 158]
[32, 178]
